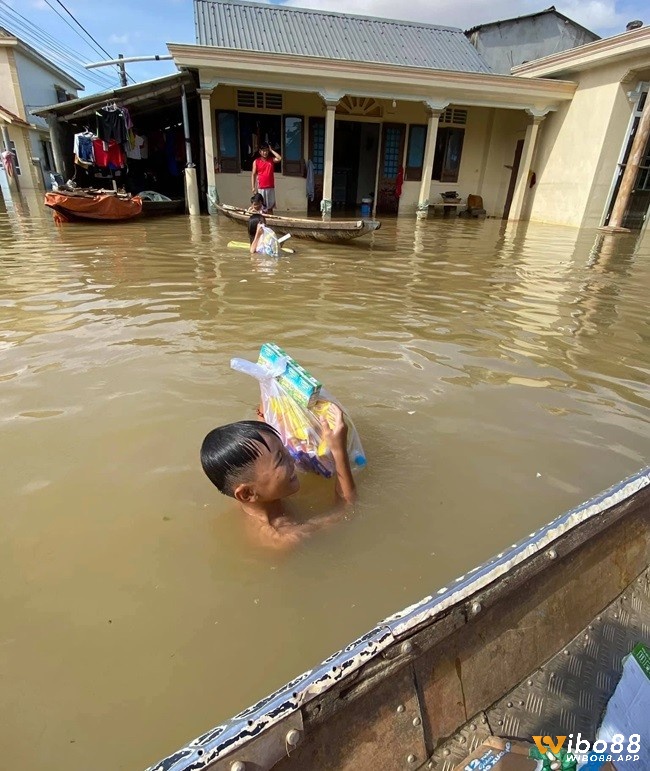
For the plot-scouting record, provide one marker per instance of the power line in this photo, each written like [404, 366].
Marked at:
[65, 21]
[54, 52]
[34, 33]
[80, 25]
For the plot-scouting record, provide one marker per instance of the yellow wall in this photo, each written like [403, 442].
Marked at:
[490, 139]
[9, 88]
[578, 149]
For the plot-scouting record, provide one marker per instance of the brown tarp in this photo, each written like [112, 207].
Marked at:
[92, 207]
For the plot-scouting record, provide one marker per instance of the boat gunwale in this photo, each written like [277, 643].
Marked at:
[304, 223]
[222, 740]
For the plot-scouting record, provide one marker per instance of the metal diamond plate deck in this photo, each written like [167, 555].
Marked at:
[569, 693]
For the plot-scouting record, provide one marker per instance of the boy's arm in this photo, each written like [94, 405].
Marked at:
[276, 156]
[337, 438]
[254, 177]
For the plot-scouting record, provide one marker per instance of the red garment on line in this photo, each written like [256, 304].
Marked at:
[399, 181]
[114, 156]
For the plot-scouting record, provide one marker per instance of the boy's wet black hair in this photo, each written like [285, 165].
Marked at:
[253, 222]
[257, 198]
[229, 450]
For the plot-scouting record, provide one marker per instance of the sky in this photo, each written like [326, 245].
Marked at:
[143, 27]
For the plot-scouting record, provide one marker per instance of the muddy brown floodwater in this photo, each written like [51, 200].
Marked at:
[498, 375]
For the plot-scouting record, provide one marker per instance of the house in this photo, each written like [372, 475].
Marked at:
[28, 80]
[593, 160]
[507, 43]
[395, 111]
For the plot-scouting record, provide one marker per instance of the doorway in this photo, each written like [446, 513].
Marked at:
[356, 146]
[513, 178]
[392, 153]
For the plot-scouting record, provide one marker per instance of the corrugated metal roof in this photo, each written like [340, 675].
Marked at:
[277, 29]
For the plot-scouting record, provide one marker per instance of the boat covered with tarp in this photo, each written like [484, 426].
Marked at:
[102, 205]
[530, 643]
[315, 229]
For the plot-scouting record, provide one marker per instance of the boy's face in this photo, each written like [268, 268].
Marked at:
[273, 475]
[264, 152]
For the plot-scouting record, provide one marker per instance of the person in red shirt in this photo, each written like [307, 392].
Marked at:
[263, 176]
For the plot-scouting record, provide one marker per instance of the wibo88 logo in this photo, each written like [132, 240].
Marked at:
[581, 749]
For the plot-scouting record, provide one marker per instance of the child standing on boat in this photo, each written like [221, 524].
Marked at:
[263, 176]
[248, 462]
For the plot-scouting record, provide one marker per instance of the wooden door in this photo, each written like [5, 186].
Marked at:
[317, 157]
[513, 178]
[390, 162]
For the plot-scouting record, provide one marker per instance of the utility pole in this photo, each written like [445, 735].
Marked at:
[122, 70]
[121, 61]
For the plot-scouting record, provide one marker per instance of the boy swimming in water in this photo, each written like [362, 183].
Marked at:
[248, 462]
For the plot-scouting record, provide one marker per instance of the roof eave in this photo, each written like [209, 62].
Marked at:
[315, 73]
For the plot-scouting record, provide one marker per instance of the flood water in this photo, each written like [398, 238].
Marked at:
[497, 375]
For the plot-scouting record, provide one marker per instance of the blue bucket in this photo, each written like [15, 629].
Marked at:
[366, 207]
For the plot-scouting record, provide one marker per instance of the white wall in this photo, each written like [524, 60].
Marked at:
[37, 85]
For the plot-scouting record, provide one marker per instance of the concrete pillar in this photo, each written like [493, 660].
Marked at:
[637, 151]
[528, 150]
[192, 192]
[56, 136]
[208, 145]
[434, 111]
[328, 165]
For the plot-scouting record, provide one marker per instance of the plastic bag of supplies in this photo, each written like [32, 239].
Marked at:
[293, 402]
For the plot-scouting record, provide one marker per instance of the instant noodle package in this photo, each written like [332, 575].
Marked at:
[293, 402]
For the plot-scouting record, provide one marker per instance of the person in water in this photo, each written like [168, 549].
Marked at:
[263, 240]
[248, 462]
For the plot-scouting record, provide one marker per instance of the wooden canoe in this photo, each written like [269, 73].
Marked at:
[316, 229]
[529, 643]
[96, 206]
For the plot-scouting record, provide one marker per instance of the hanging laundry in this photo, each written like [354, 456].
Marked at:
[83, 149]
[399, 182]
[310, 180]
[134, 149]
[9, 162]
[112, 158]
[111, 124]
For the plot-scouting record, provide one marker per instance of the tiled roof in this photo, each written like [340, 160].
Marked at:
[280, 29]
[11, 117]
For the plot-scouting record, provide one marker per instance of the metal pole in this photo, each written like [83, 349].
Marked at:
[122, 70]
[186, 127]
[125, 59]
[191, 184]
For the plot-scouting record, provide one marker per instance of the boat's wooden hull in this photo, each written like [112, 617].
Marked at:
[99, 207]
[314, 229]
[529, 643]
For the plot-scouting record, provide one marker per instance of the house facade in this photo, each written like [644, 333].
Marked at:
[360, 108]
[597, 141]
[510, 42]
[28, 81]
